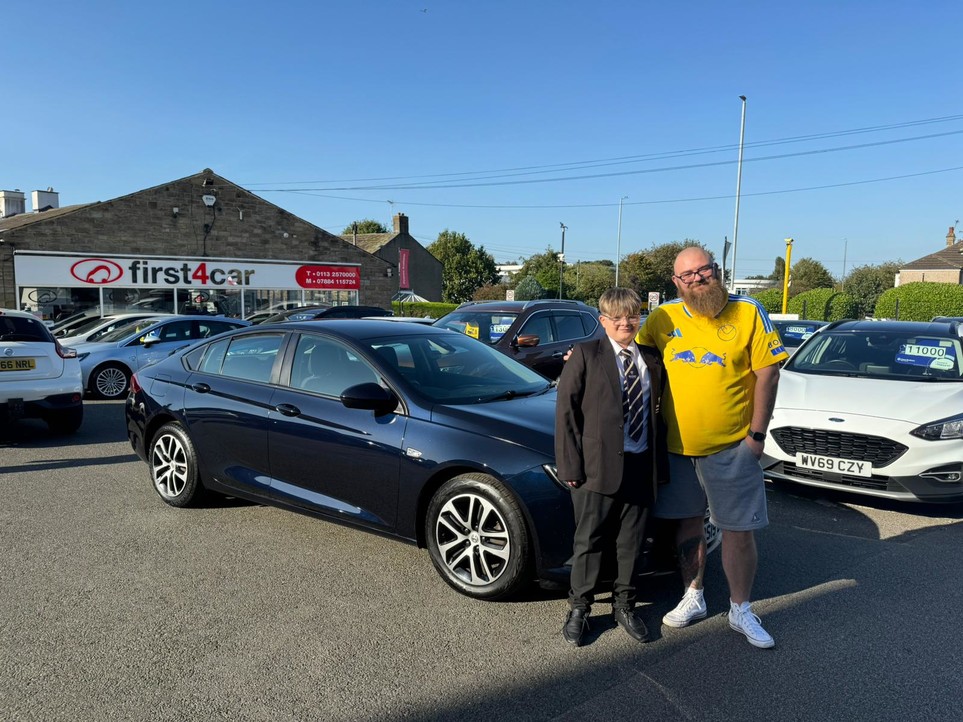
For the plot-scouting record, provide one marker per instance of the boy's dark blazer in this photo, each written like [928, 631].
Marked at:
[589, 423]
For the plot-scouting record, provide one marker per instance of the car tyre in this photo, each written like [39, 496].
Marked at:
[477, 537]
[173, 467]
[110, 381]
[65, 422]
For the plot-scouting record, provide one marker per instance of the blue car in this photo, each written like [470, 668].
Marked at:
[405, 430]
[107, 364]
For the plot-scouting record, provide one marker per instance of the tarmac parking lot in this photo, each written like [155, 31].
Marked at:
[116, 606]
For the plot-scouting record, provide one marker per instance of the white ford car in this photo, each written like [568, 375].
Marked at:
[873, 407]
[39, 378]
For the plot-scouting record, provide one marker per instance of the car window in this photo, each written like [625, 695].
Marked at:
[19, 328]
[489, 327]
[324, 366]
[251, 357]
[206, 329]
[176, 331]
[125, 332]
[208, 358]
[568, 326]
[589, 323]
[540, 324]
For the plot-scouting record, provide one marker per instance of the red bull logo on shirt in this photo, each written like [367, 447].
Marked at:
[699, 357]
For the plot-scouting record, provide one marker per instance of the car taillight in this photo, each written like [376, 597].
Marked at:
[135, 386]
[65, 352]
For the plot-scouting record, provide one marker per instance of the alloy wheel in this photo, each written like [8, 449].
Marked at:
[473, 539]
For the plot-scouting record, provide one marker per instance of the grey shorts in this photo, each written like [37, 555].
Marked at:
[729, 481]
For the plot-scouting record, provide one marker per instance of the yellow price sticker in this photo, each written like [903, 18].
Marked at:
[471, 329]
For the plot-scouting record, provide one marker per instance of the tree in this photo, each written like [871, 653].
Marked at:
[528, 289]
[365, 226]
[587, 281]
[490, 292]
[808, 274]
[544, 268]
[867, 283]
[652, 270]
[464, 267]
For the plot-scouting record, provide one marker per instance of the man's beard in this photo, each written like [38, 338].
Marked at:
[706, 298]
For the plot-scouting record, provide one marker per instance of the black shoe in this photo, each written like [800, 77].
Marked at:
[576, 624]
[630, 622]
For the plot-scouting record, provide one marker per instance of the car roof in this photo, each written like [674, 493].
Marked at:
[20, 314]
[359, 328]
[522, 305]
[945, 327]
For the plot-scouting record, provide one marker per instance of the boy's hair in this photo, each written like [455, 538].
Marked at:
[618, 302]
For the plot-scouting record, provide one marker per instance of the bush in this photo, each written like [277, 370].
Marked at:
[920, 301]
[422, 308]
[771, 299]
[823, 304]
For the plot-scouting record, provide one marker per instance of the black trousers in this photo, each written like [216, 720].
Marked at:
[604, 523]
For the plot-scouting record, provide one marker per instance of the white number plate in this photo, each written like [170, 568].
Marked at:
[837, 466]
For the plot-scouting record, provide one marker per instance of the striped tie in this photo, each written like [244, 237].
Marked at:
[632, 403]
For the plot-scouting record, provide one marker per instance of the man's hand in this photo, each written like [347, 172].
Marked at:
[755, 447]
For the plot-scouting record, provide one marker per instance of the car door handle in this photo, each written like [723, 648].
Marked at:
[288, 410]
[201, 388]
[558, 354]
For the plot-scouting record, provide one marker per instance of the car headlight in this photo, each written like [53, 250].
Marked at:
[951, 428]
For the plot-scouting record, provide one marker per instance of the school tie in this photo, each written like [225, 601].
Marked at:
[632, 402]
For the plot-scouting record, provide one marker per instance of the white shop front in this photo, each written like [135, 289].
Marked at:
[54, 285]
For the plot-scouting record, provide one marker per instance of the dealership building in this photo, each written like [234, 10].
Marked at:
[201, 244]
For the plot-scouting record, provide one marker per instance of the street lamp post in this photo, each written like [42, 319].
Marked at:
[618, 245]
[785, 275]
[735, 230]
[561, 260]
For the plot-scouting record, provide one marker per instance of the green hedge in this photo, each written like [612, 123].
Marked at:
[823, 304]
[920, 301]
[771, 299]
[422, 308]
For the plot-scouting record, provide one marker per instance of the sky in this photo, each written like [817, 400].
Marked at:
[504, 120]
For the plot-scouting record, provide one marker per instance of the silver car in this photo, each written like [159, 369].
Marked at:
[107, 365]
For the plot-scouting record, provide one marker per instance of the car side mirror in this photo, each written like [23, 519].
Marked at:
[369, 396]
[527, 340]
[150, 339]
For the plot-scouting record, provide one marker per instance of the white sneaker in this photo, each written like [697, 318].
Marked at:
[691, 608]
[743, 620]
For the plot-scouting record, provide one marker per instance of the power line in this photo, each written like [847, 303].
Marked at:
[526, 170]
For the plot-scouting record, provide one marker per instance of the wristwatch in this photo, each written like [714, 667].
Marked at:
[756, 435]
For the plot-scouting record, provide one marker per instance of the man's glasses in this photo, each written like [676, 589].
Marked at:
[630, 320]
[705, 272]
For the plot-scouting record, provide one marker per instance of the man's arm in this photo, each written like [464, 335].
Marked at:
[569, 420]
[763, 401]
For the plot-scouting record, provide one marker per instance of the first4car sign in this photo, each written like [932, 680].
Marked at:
[59, 270]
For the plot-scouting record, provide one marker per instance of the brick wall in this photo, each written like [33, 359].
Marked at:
[240, 225]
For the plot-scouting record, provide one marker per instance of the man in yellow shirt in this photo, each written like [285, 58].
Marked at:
[721, 355]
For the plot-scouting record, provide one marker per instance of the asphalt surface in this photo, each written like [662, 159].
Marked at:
[115, 606]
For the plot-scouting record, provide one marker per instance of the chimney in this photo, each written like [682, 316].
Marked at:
[951, 236]
[11, 203]
[45, 200]
[401, 223]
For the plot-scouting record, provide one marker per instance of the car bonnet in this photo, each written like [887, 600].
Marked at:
[528, 421]
[916, 402]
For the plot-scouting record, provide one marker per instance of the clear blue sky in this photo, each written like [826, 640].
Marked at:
[520, 115]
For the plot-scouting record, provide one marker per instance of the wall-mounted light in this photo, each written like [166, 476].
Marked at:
[209, 200]
[174, 211]
[390, 269]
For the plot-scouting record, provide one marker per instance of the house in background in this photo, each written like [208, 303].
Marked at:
[944, 266]
[418, 272]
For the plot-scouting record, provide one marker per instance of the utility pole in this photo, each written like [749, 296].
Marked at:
[561, 260]
[785, 275]
[618, 246]
[735, 230]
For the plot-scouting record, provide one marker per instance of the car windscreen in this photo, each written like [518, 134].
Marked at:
[485, 326]
[883, 354]
[793, 333]
[119, 334]
[453, 369]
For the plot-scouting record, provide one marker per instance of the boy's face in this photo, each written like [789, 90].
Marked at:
[621, 329]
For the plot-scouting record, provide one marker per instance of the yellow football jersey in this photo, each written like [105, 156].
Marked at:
[709, 364]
